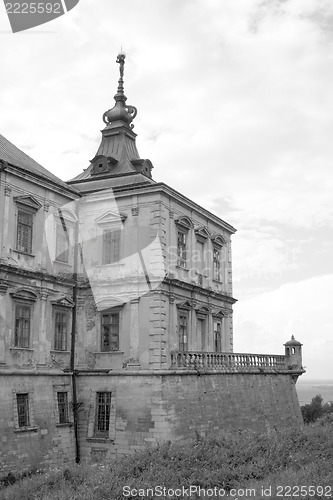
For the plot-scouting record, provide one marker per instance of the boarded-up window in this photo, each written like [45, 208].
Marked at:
[111, 246]
[62, 242]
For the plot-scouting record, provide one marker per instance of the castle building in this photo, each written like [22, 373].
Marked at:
[116, 313]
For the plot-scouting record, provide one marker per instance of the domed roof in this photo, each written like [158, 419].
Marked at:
[292, 342]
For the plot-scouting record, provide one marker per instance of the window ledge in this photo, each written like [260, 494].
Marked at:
[26, 429]
[57, 351]
[65, 424]
[183, 268]
[112, 264]
[21, 349]
[109, 352]
[217, 281]
[23, 253]
[100, 439]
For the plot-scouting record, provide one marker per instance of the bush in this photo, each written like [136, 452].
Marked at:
[316, 409]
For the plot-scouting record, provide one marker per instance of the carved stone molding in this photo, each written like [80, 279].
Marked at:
[8, 190]
[3, 288]
[135, 210]
[44, 294]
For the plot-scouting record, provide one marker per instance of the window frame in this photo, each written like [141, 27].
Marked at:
[62, 241]
[110, 245]
[62, 345]
[217, 340]
[182, 248]
[183, 332]
[26, 228]
[116, 312]
[21, 319]
[216, 263]
[28, 405]
[103, 416]
[63, 407]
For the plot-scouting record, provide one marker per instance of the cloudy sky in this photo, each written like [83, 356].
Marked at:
[235, 108]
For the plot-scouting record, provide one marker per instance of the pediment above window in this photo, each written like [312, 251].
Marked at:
[184, 304]
[202, 309]
[221, 312]
[109, 219]
[28, 201]
[184, 222]
[63, 301]
[202, 232]
[24, 294]
[218, 240]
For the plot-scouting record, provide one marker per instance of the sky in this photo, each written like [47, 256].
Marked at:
[234, 104]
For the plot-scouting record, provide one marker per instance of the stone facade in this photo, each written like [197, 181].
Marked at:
[116, 314]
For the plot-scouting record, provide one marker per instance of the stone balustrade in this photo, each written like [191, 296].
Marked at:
[227, 361]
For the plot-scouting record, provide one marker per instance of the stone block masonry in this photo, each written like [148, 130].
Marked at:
[154, 407]
[43, 441]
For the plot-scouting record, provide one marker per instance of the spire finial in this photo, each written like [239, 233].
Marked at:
[121, 60]
[120, 112]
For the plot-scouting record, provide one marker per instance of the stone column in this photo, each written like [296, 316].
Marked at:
[44, 242]
[42, 329]
[3, 329]
[5, 222]
[134, 333]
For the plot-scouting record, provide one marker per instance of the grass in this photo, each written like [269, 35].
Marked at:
[241, 461]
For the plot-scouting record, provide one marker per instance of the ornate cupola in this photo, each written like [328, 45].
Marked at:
[117, 157]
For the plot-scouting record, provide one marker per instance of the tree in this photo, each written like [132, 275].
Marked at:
[316, 409]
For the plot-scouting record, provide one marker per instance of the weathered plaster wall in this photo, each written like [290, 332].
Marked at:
[152, 408]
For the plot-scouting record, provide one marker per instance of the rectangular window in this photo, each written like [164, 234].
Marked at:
[62, 398]
[110, 331]
[111, 246]
[217, 335]
[22, 325]
[24, 232]
[201, 333]
[181, 249]
[23, 410]
[103, 409]
[60, 330]
[183, 339]
[62, 243]
[216, 264]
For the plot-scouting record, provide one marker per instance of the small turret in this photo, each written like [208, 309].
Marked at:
[293, 352]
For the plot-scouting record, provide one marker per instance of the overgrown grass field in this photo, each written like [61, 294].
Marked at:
[239, 464]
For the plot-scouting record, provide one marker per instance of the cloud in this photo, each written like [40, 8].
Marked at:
[266, 321]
